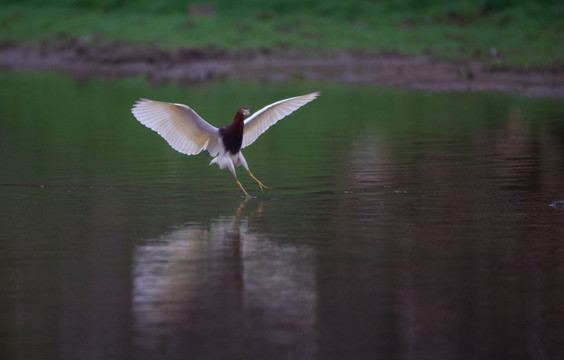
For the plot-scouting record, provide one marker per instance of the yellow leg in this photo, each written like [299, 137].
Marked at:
[246, 193]
[261, 185]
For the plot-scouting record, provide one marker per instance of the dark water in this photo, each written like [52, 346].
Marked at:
[402, 225]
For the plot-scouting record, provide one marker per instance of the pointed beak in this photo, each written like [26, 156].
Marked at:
[246, 112]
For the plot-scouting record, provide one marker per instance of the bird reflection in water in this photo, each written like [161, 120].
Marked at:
[210, 289]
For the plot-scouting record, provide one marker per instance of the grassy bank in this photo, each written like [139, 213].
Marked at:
[498, 32]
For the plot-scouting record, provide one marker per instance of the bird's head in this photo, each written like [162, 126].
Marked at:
[244, 110]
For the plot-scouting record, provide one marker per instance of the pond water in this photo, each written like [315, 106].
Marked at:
[401, 224]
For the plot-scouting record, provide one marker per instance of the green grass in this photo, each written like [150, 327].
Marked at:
[523, 33]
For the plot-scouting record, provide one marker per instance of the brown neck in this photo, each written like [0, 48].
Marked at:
[238, 121]
[232, 134]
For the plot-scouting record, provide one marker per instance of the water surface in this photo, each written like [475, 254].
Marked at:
[402, 224]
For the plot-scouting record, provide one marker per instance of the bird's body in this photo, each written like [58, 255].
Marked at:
[189, 134]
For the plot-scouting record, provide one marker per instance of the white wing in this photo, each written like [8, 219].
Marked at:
[260, 121]
[179, 125]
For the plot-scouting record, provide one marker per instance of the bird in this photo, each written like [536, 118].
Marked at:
[186, 132]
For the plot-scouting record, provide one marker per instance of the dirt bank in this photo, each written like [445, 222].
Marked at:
[195, 65]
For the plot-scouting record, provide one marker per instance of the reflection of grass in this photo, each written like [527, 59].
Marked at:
[494, 31]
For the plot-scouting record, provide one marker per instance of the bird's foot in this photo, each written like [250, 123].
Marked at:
[247, 196]
[260, 184]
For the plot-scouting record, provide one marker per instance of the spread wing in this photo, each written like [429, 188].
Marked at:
[260, 121]
[179, 125]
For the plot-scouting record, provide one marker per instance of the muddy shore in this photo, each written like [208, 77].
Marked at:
[197, 65]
